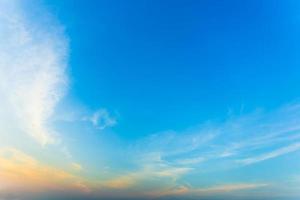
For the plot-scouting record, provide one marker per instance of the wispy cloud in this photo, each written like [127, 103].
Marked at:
[255, 136]
[272, 154]
[212, 191]
[228, 188]
[149, 173]
[101, 119]
[190, 161]
[76, 166]
[32, 72]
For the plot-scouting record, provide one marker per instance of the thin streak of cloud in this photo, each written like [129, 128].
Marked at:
[190, 161]
[273, 154]
[208, 191]
[229, 188]
[76, 166]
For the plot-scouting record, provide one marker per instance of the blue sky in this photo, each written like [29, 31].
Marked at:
[145, 99]
[188, 61]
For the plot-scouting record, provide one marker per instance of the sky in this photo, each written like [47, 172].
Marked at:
[149, 99]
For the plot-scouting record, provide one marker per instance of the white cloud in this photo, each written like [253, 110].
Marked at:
[101, 119]
[272, 154]
[190, 161]
[249, 139]
[32, 72]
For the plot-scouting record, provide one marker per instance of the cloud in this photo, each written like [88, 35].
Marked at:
[272, 154]
[101, 119]
[214, 147]
[232, 139]
[20, 172]
[228, 188]
[173, 191]
[148, 174]
[33, 61]
[123, 182]
[212, 191]
[190, 161]
[76, 167]
[151, 170]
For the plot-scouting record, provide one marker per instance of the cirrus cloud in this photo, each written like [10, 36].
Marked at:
[32, 72]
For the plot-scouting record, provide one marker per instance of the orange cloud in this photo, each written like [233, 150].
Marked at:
[21, 172]
[123, 182]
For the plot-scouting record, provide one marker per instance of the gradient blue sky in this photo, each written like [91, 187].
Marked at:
[174, 64]
[150, 99]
